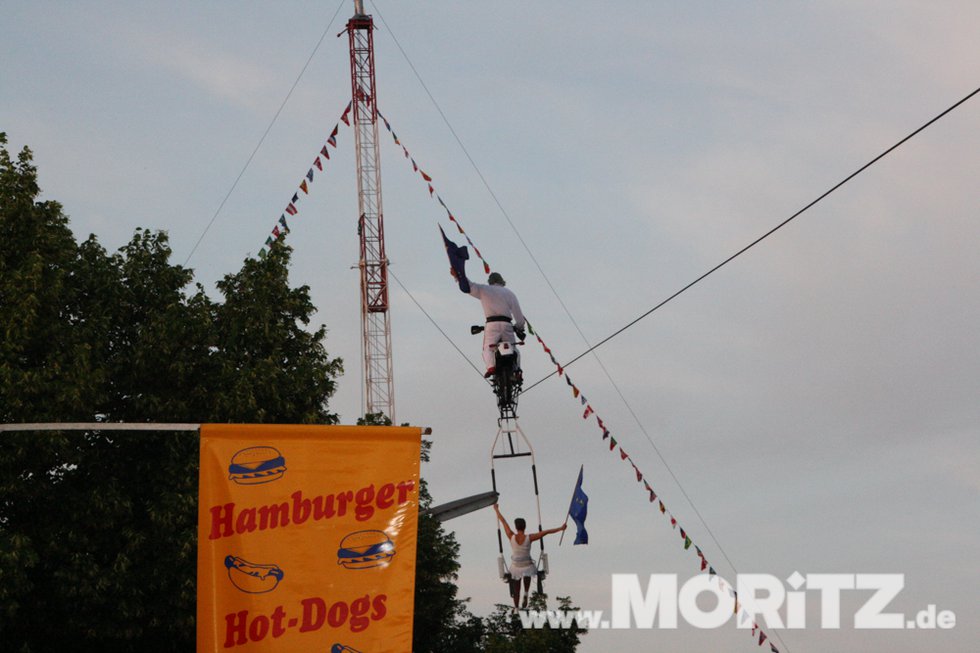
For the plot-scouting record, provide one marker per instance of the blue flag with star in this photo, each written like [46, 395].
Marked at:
[457, 261]
[579, 509]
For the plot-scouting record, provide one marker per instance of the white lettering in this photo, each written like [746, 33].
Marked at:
[629, 600]
[870, 614]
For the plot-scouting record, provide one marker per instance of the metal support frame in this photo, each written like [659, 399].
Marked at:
[375, 321]
[514, 444]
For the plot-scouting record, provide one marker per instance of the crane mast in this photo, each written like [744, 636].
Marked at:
[375, 322]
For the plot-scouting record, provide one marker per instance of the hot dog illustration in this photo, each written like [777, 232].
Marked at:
[256, 465]
[251, 577]
[340, 648]
[365, 549]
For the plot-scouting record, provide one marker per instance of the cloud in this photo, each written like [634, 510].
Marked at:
[226, 75]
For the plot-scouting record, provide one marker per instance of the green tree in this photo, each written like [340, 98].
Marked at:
[442, 621]
[48, 364]
[98, 529]
[504, 632]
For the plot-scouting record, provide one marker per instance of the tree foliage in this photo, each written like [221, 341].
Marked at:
[504, 632]
[98, 529]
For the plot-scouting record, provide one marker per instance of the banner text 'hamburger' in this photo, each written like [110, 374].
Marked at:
[228, 520]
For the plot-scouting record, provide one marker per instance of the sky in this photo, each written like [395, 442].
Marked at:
[812, 406]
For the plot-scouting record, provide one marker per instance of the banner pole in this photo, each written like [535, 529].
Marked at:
[570, 502]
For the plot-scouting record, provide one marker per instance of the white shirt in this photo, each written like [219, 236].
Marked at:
[498, 300]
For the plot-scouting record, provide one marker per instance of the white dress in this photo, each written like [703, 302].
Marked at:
[521, 563]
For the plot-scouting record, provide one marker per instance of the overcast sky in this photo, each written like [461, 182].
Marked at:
[817, 398]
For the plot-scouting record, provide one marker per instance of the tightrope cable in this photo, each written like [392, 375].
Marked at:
[760, 238]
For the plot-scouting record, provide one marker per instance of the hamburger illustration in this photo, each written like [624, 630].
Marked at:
[256, 465]
[251, 577]
[365, 549]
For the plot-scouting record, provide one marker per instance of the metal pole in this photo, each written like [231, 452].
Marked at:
[97, 426]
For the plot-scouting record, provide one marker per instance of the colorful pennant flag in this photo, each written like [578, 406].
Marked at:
[304, 186]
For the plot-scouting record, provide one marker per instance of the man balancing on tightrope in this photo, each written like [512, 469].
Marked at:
[504, 317]
[500, 305]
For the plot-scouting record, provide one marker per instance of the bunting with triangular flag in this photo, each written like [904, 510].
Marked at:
[304, 186]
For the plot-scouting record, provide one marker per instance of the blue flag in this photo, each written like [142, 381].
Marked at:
[579, 509]
[457, 261]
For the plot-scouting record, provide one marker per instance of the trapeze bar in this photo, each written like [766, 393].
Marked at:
[511, 455]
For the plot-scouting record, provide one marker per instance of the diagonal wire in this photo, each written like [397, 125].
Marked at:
[435, 324]
[513, 227]
[266, 133]
[763, 236]
[479, 173]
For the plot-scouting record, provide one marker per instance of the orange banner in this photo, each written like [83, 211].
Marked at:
[306, 538]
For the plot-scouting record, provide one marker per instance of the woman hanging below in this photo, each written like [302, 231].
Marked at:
[521, 563]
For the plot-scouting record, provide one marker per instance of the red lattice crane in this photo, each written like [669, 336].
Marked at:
[375, 320]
